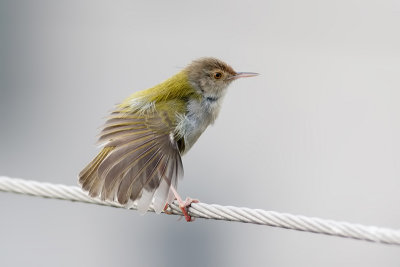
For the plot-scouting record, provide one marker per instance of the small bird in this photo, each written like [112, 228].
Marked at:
[144, 138]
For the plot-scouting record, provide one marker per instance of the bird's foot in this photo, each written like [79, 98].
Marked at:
[166, 211]
[184, 205]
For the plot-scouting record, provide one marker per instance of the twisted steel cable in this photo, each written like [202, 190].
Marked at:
[217, 212]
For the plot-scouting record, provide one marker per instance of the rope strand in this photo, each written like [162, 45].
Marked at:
[217, 212]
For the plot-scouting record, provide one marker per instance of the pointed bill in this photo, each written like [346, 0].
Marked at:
[244, 75]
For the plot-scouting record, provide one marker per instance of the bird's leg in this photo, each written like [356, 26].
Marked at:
[183, 205]
[166, 211]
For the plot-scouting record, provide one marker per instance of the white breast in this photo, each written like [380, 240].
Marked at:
[200, 114]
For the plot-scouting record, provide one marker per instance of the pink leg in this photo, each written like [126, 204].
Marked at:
[166, 209]
[184, 204]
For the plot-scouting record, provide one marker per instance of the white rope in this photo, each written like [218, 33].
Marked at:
[217, 212]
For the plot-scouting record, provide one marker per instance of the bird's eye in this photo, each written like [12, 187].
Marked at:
[218, 75]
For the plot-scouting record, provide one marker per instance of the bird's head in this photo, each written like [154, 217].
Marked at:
[211, 76]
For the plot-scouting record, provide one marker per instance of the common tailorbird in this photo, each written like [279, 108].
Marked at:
[145, 136]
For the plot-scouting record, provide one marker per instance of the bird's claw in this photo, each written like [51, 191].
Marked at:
[166, 211]
[183, 205]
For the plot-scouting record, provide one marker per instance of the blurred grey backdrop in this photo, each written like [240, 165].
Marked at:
[316, 134]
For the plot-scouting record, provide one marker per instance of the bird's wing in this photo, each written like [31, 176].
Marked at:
[140, 160]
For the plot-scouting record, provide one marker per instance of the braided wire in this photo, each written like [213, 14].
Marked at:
[217, 212]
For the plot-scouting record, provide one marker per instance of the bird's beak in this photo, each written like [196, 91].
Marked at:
[244, 75]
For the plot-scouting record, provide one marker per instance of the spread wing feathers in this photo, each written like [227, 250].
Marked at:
[140, 160]
[88, 176]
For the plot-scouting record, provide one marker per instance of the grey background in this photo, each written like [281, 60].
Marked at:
[316, 134]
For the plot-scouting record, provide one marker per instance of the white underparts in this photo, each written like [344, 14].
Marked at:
[200, 114]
